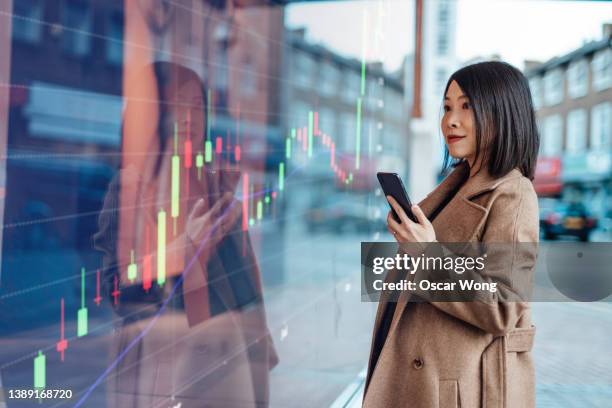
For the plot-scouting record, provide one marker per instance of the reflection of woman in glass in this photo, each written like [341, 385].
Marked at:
[200, 337]
[473, 353]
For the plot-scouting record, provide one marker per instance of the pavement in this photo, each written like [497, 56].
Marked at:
[572, 358]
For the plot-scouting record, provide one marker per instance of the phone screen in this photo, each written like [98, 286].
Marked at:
[392, 185]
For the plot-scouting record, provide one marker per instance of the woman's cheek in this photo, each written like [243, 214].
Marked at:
[472, 145]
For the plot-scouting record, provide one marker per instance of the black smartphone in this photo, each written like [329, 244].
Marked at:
[212, 183]
[392, 186]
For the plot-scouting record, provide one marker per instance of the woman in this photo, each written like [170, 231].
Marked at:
[198, 336]
[473, 353]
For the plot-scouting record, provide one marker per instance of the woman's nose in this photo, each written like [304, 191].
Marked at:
[453, 120]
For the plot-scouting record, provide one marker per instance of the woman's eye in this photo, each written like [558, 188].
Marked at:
[446, 108]
[466, 105]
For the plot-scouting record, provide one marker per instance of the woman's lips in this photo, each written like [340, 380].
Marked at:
[454, 138]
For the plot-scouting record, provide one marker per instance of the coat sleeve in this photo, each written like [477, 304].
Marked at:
[510, 237]
[133, 302]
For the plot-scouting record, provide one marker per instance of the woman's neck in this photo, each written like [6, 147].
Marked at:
[475, 167]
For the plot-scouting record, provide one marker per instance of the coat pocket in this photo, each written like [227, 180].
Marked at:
[448, 392]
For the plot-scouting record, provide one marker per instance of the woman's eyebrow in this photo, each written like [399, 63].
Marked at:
[446, 98]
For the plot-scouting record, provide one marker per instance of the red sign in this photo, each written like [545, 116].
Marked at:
[548, 176]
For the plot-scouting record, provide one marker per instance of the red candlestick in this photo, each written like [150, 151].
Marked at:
[146, 263]
[62, 345]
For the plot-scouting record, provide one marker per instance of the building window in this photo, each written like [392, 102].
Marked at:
[441, 79]
[535, 84]
[553, 87]
[601, 125]
[443, 28]
[352, 86]
[442, 42]
[367, 130]
[392, 141]
[27, 25]
[576, 130]
[114, 43]
[552, 136]
[77, 22]
[73, 115]
[303, 67]
[329, 80]
[220, 77]
[299, 114]
[443, 12]
[374, 94]
[327, 122]
[249, 78]
[349, 132]
[394, 104]
[577, 78]
[602, 70]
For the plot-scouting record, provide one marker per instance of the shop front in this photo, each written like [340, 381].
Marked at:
[587, 178]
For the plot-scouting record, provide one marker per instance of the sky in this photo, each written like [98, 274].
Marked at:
[515, 29]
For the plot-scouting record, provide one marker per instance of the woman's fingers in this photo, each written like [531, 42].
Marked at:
[197, 208]
[216, 222]
[408, 230]
[420, 215]
[396, 228]
[229, 212]
[222, 202]
[399, 210]
[218, 208]
[223, 225]
[230, 216]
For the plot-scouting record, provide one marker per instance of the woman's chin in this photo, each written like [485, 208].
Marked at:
[457, 155]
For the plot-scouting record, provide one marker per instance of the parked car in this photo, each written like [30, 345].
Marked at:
[342, 213]
[571, 219]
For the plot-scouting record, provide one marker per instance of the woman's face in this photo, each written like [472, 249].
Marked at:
[187, 110]
[458, 124]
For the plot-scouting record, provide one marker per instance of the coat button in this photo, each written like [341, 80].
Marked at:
[417, 363]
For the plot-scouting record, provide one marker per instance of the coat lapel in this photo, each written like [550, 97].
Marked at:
[453, 181]
[462, 216]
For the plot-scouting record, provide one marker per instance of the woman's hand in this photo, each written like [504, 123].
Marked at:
[409, 231]
[214, 224]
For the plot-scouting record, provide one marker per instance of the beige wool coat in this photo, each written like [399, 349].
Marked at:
[463, 354]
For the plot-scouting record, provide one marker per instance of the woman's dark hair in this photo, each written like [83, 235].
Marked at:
[169, 74]
[506, 131]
